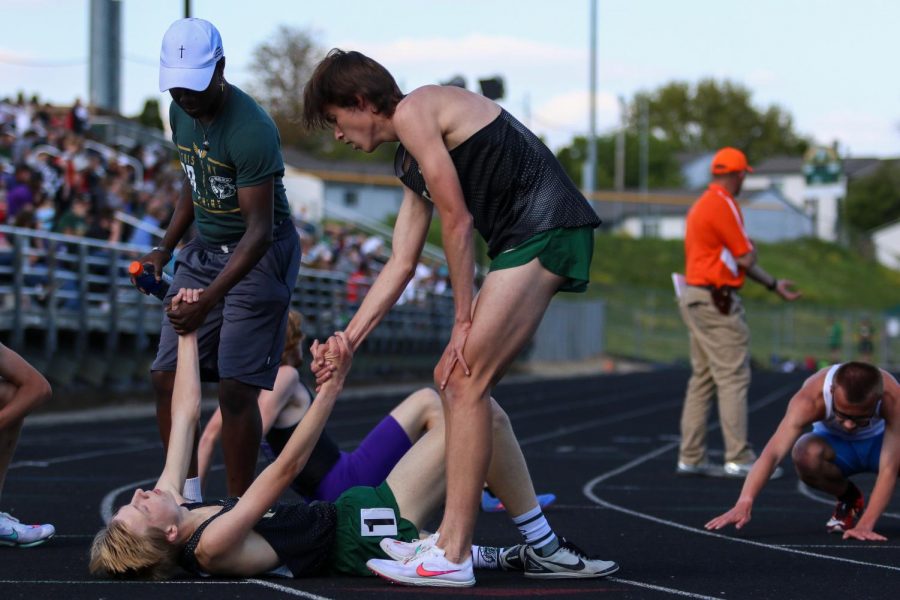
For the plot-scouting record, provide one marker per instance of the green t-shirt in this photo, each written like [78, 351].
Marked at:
[244, 150]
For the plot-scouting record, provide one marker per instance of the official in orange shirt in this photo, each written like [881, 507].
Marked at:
[718, 257]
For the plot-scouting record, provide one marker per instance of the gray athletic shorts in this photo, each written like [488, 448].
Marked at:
[243, 336]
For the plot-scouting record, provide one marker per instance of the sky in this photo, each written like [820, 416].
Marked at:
[829, 63]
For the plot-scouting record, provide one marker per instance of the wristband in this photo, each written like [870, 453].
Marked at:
[773, 285]
[161, 249]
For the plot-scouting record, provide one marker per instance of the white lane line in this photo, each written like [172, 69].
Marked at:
[81, 456]
[824, 498]
[866, 547]
[659, 588]
[588, 492]
[632, 464]
[660, 521]
[563, 431]
[287, 590]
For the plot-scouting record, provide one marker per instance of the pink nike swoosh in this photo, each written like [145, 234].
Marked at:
[423, 572]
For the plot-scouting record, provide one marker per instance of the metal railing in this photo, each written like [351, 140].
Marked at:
[73, 295]
[69, 305]
[646, 325]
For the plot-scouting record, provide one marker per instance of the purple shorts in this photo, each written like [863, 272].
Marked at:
[369, 464]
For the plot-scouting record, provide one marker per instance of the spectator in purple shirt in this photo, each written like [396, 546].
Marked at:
[21, 195]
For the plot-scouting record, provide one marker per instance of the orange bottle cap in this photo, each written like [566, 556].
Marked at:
[135, 268]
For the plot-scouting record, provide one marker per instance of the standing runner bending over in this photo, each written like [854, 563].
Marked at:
[464, 155]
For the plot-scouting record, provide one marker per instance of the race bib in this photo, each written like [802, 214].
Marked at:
[377, 522]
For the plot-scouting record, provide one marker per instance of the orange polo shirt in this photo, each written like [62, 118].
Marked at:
[713, 238]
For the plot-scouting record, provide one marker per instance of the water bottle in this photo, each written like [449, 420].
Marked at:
[145, 279]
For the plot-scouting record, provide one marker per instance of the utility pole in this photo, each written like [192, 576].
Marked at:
[187, 9]
[620, 145]
[590, 167]
[104, 68]
[645, 143]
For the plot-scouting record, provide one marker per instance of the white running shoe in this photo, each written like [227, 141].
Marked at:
[402, 551]
[737, 470]
[13, 533]
[426, 568]
[568, 561]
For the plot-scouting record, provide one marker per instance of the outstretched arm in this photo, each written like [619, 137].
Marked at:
[782, 287]
[800, 413]
[409, 238]
[888, 464]
[228, 532]
[185, 405]
[271, 404]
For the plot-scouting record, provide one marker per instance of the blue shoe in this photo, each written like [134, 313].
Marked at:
[490, 503]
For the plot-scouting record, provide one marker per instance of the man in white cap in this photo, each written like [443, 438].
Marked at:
[246, 255]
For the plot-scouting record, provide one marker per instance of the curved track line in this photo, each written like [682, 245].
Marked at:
[661, 521]
[107, 502]
[765, 401]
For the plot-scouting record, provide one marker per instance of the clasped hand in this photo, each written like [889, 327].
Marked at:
[186, 311]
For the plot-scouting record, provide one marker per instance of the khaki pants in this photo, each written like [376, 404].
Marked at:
[720, 363]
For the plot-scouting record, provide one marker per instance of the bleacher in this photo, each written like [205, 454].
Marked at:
[69, 304]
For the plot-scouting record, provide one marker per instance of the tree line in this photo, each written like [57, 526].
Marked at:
[676, 120]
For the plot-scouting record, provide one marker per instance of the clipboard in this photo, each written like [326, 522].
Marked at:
[679, 283]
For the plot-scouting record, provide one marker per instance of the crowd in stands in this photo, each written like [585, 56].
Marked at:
[360, 257]
[55, 178]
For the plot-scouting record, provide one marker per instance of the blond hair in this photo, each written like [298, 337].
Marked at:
[294, 335]
[119, 553]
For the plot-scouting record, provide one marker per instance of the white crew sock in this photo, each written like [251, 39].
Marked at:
[192, 491]
[536, 530]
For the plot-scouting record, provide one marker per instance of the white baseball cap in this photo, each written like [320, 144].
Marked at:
[190, 50]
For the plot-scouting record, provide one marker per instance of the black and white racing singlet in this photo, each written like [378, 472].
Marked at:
[301, 535]
[513, 185]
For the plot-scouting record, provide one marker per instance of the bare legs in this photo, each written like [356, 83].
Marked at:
[419, 413]
[508, 310]
[814, 462]
[9, 436]
[418, 481]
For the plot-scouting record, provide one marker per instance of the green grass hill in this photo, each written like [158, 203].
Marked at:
[830, 276]
[642, 320]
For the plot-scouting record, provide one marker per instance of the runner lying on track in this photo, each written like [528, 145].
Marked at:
[853, 409]
[330, 471]
[252, 535]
